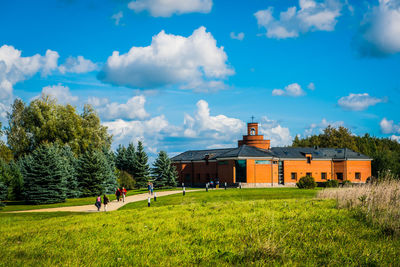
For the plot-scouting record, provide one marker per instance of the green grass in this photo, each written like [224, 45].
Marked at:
[234, 227]
[20, 205]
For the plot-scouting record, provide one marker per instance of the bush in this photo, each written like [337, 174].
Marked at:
[332, 183]
[306, 182]
[126, 180]
[346, 183]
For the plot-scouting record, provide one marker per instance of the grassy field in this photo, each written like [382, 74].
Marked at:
[233, 227]
[20, 205]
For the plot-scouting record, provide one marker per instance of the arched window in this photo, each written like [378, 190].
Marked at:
[252, 131]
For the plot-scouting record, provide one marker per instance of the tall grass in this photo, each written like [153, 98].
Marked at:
[378, 202]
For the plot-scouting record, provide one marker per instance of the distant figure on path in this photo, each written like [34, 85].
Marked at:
[118, 193]
[149, 187]
[212, 184]
[105, 202]
[123, 194]
[217, 184]
[225, 185]
[98, 203]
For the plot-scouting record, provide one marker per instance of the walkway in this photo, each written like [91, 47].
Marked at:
[114, 205]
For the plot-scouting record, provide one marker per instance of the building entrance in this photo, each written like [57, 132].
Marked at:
[241, 171]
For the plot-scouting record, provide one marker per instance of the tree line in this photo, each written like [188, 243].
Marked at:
[54, 153]
[385, 153]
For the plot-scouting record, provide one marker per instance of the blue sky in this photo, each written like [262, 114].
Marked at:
[188, 74]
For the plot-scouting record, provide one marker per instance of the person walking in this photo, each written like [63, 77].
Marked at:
[98, 203]
[105, 202]
[123, 194]
[118, 193]
[151, 188]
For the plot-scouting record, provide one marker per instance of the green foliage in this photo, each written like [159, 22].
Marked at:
[384, 151]
[164, 174]
[346, 183]
[110, 183]
[332, 183]
[95, 176]
[44, 176]
[3, 193]
[45, 121]
[306, 182]
[126, 180]
[125, 158]
[141, 167]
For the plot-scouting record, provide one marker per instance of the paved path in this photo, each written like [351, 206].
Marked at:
[114, 205]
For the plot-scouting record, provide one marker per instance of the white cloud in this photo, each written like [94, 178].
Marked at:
[117, 17]
[190, 62]
[317, 128]
[379, 33]
[77, 65]
[218, 128]
[311, 86]
[150, 132]
[395, 138]
[239, 36]
[293, 89]
[14, 68]
[166, 8]
[358, 102]
[60, 92]
[132, 109]
[389, 127]
[311, 16]
[271, 129]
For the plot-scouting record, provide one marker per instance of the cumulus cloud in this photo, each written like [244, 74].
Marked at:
[389, 127]
[395, 138]
[162, 8]
[117, 17]
[317, 128]
[14, 68]
[311, 86]
[190, 62]
[271, 129]
[358, 102]
[379, 32]
[293, 89]
[219, 128]
[60, 92]
[239, 36]
[77, 65]
[310, 16]
[132, 109]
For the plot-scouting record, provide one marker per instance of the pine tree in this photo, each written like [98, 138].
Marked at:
[70, 163]
[163, 172]
[92, 173]
[141, 167]
[3, 193]
[130, 159]
[44, 176]
[110, 182]
[120, 158]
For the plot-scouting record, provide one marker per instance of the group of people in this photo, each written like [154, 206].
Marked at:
[119, 193]
[105, 202]
[150, 187]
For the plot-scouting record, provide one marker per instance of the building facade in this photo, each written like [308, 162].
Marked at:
[255, 164]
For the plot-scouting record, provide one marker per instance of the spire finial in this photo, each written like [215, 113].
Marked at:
[252, 119]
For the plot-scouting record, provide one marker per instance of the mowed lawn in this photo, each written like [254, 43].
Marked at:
[232, 227]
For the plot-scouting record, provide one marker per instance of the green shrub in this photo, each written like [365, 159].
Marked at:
[346, 183]
[332, 183]
[3, 193]
[306, 182]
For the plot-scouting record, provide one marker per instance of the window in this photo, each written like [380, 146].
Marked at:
[263, 162]
[294, 175]
[358, 176]
[323, 175]
[252, 131]
[308, 159]
[198, 177]
[309, 174]
[222, 162]
[339, 175]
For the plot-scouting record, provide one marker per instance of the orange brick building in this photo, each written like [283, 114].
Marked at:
[255, 164]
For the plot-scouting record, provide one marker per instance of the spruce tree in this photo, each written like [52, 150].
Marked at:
[70, 163]
[110, 182]
[141, 167]
[130, 159]
[3, 193]
[44, 176]
[92, 173]
[120, 158]
[163, 172]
